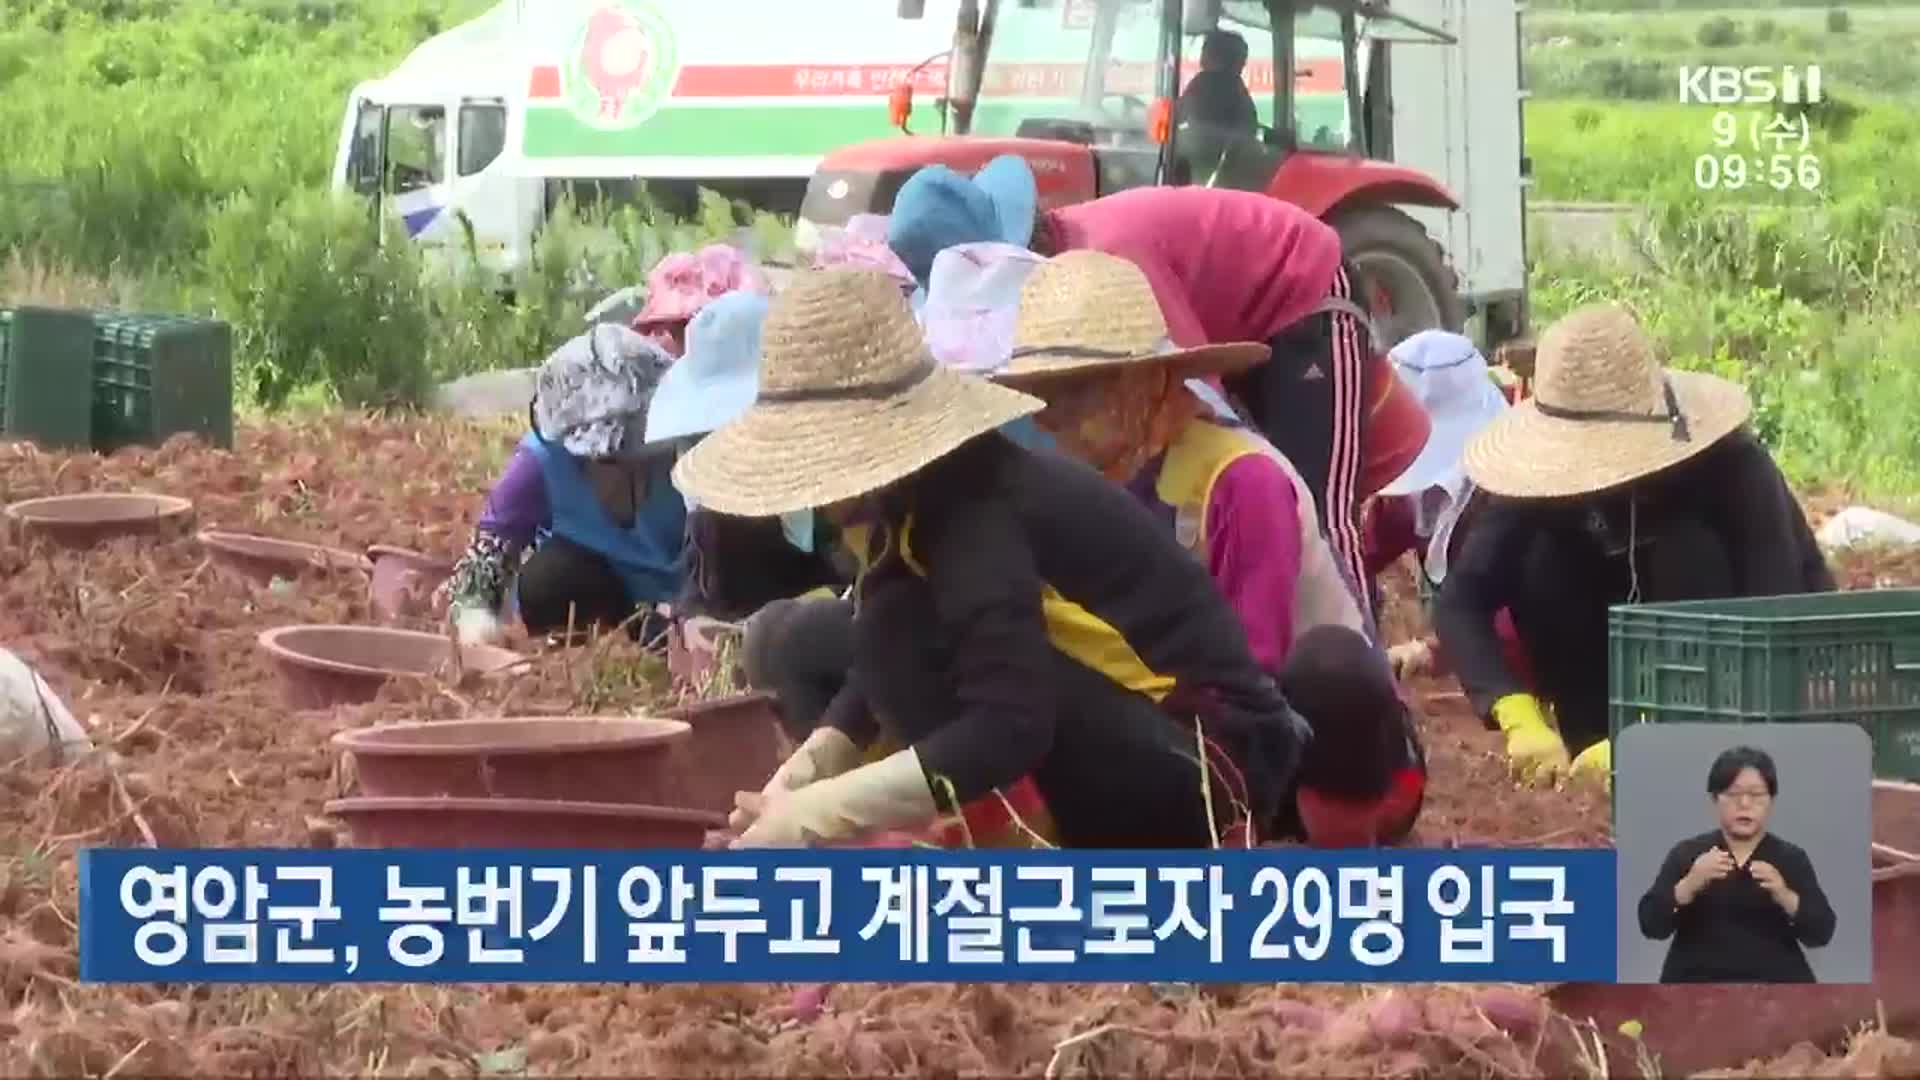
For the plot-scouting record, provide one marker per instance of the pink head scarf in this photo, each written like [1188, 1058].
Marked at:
[686, 281]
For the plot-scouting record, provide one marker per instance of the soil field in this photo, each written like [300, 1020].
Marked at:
[153, 649]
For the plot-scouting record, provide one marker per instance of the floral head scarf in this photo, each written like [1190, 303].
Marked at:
[591, 395]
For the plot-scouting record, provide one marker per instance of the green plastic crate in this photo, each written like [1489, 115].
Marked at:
[45, 365]
[1824, 657]
[155, 376]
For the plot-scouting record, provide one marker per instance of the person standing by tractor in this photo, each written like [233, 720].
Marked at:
[1218, 97]
[1226, 266]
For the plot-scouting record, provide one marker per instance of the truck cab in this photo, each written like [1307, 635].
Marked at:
[424, 156]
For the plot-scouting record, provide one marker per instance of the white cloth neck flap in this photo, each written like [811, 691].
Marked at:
[972, 299]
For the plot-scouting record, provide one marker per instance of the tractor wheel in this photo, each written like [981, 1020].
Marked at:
[1407, 283]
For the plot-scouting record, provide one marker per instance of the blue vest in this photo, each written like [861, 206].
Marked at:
[1028, 434]
[648, 557]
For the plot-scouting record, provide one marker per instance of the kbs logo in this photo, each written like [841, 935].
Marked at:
[1786, 85]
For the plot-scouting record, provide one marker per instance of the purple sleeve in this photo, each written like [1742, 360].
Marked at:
[1253, 551]
[517, 506]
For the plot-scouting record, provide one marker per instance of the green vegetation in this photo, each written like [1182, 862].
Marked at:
[182, 148]
[174, 154]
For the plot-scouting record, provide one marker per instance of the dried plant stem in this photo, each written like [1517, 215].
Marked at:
[132, 808]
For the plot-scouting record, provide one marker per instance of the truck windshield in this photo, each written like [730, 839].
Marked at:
[1317, 99]
[1070, 62]
[416, 147]
[1057, 65]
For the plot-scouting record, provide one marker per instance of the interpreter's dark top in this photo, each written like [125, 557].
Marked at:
[1722, 525]
[1011, 591]
[1733, 932]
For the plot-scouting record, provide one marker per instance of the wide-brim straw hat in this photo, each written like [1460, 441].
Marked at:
[850, 401]
[1604, 412]
[1089, 313]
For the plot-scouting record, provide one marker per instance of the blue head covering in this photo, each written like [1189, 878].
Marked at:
[715, 381]
[718, 377]
[938, 208]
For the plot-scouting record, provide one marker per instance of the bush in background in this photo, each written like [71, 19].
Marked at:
[1718, 32]
[1838, 21]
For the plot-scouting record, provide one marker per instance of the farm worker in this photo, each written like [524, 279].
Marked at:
[1425, 509]
[1017, 615]
[739, 566]
[587, 494]
[686, 281]
[1618, 482]
[1217, 96]
[1227, 266]
[1091, 343]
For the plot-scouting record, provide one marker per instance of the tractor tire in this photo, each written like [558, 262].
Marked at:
[1404, 267]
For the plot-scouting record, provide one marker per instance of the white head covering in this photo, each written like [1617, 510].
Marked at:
[1450, 378]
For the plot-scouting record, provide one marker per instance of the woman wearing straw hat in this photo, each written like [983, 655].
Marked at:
[764, 571]
[1017, 615]
[1227, 266]
[1090, 342]
[1619, 481]
[1425, 509]
[587, 494]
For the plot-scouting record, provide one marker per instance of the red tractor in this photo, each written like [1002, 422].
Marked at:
[1091, 93]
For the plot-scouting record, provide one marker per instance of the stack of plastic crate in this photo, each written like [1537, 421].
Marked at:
[1849, 657]
[45, 377]
[156, 376]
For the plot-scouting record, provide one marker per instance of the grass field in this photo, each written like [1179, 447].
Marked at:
[175, 156]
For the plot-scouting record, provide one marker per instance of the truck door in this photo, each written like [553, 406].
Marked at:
[366, 154]
[490, 199]
[416, 164]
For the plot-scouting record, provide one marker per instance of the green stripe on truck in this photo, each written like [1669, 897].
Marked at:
[753, 130]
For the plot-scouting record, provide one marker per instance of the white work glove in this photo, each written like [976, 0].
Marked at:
[827, 753]
[891, 793]
[1411, 658]
[478, 626]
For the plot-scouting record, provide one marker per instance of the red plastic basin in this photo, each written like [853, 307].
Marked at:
[262, 558]
[736, 746]
[592, 759]
[84, 520]
[518, 823]
[324, 666]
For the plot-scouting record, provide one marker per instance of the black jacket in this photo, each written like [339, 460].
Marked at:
[1517, 552]
[1733, 932]
[1009, 591]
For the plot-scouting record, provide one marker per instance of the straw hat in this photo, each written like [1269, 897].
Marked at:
[850, 401]
[1603, 413]
[1087, 312]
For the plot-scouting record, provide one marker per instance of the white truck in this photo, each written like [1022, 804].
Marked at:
[487, 126]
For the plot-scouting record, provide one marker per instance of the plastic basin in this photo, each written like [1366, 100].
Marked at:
[736, 746]
[1696, 1028]
[83, 520]
[518, 823]
[262, 558]
[403, 581]
[323, 666]
[603, 760]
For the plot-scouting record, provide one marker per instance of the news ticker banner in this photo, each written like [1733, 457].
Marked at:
[915, 915]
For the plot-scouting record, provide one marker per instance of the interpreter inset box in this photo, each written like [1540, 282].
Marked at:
[1744, 853]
